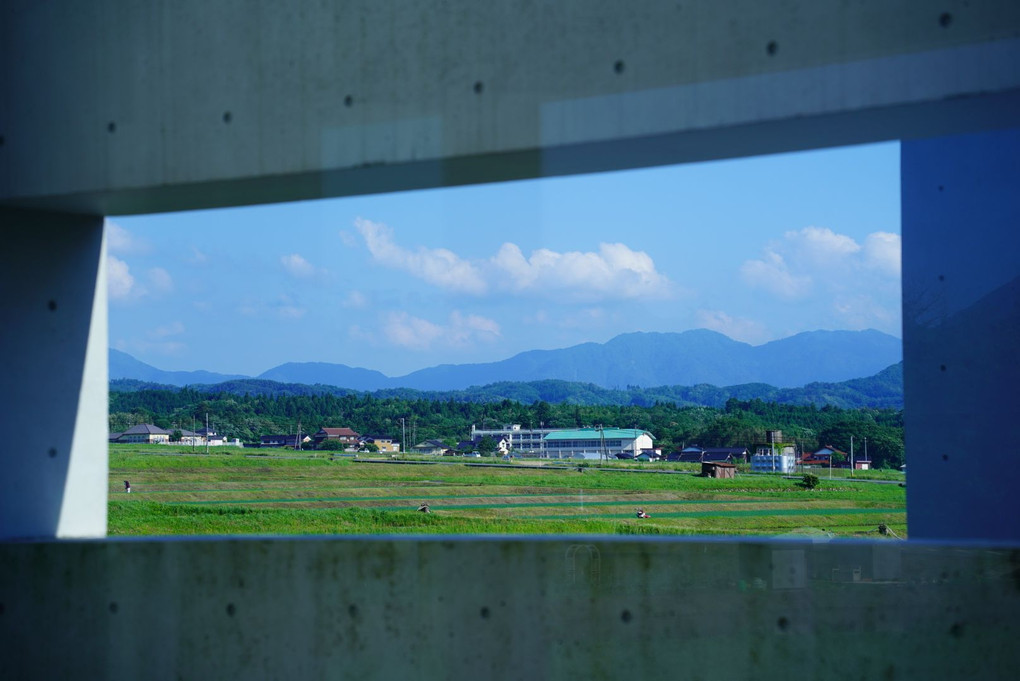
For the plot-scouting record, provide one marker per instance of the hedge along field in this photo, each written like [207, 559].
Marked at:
[176, 492]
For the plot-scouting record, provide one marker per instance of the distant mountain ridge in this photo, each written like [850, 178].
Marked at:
[124, 366]
[884, 390]
[634, 359]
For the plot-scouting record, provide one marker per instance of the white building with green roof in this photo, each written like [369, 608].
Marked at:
[590, 442]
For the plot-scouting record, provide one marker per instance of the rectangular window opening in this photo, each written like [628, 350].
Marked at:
[670, 319]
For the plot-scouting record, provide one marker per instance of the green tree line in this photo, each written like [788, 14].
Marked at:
[738, 423]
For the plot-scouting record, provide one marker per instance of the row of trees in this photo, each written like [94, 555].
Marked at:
[738, 423]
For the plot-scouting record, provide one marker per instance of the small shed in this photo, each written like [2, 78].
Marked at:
[718, 470]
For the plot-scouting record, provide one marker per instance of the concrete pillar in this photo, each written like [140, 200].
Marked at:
[961, 324]
[54, 391]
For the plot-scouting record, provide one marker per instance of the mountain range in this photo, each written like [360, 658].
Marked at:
[884, 390]
[643, 359]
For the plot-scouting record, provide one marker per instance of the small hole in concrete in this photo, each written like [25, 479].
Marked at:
[942, 367]
[2, 140]
[52, 305]
[619, 66]
[626, 617]
[227, 117]
[945, 457]
[772, 47]
[942, 277]
[479, 87]
[783, 623]
[352, 610]
[113, 607]
[53, 452]
[111, 127]
[945, 19]
[484, 613]
[348, 101]
[231, 609]
[941, 187]
[956, 631]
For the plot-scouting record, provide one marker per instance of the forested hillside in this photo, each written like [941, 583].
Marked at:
[883, 390]
[736, 423]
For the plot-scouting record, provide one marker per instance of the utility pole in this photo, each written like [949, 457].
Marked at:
[772, 437]
[851, 456]
[602, 445]
[207, 432]
[403, 437]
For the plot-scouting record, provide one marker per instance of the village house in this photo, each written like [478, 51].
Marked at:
[271, 441]
[696, 454]
[382, 442]
[345, 436]
[435, 447]
[829, 455]
[142, 433]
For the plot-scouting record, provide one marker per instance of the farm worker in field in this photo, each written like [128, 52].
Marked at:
[641, 513]
[127, 487]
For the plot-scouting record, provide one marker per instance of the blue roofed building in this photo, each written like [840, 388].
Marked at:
[591, 442]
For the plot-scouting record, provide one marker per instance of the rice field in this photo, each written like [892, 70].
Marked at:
[178, 493]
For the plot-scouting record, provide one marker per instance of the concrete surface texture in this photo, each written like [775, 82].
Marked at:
[116, 106]
[507, 608]
[190, 104]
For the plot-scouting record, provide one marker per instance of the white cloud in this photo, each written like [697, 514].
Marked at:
[408, 331]
[355, 299]
[437, 266]
[772, 274]
[464, 328]
[198, 257]
[123, 242]
[820, 245]
[882, 252]
[737, 328]
[350, 241]
[614, 272]
[160, 280]
[818, 259]
[120, 284]
[296, 266]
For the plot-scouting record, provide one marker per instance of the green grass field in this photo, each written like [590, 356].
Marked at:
[176, 492]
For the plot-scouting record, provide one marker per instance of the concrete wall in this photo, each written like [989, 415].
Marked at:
[116, 106]
[961, 323]
[506, 608]
[53, 470]
[177, 104]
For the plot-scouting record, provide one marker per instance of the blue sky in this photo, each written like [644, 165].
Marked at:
[758, 249]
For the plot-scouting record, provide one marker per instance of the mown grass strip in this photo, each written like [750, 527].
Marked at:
[748, 514]
[153, 518]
